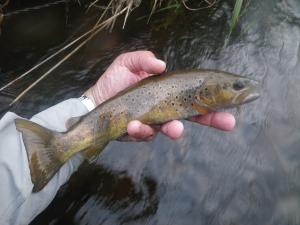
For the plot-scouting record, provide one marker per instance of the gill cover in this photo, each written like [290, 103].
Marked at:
[227, 91]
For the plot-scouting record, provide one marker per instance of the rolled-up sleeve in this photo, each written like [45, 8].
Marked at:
[18, 204]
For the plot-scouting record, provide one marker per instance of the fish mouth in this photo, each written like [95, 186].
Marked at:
[253, 91]
[251, 97]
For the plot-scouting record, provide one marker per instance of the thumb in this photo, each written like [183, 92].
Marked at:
[143, 61]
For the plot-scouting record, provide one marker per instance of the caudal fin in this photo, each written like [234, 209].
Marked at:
[42, 151]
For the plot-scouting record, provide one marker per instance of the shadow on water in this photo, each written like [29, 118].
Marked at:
[249, 176]
[112, 194]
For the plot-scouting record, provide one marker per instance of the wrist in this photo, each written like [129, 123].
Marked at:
[95, 95]
[90, 95]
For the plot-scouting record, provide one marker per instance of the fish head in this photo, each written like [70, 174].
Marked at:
[227, 90]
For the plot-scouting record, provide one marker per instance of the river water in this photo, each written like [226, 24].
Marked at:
[248, 176]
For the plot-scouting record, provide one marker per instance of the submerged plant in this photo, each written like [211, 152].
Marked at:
[1, 18]
[235, 14]
[2, 6]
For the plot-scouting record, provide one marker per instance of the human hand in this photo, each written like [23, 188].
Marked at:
[128, 69]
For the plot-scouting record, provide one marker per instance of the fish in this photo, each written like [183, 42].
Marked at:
[154, 100]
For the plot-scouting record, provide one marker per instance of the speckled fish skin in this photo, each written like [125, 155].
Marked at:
[155, 100]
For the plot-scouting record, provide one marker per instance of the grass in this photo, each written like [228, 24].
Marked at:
[2, 6]
[108, 16]
[236, 14]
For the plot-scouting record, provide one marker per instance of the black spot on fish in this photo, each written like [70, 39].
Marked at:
[173, 103]
[185, 99]
[190, 96]
[206, 92]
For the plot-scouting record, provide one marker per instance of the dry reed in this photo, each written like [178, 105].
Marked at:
[108, 16]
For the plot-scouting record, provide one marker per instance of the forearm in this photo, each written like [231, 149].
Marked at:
[18, 204]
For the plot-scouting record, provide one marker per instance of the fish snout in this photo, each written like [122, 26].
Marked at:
[253, 91]
[251, 97]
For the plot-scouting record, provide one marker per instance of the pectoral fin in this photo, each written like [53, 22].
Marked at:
[200, 109]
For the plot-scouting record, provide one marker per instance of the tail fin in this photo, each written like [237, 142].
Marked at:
[42, 151]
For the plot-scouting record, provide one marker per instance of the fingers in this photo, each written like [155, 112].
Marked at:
[140, 131]
[220, 120]
[142, 61]
[173, 129]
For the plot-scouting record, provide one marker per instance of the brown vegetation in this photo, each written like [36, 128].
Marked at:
[108, 15]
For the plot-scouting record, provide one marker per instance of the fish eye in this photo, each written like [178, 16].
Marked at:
[238, 85]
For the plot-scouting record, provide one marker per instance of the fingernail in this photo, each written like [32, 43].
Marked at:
[173, 129]
[230, 123]
[134, 127]
[161, 62]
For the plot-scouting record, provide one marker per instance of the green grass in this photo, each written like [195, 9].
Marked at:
[236, 14]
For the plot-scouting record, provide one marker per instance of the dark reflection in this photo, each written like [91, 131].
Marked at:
[32, 30]
[112, 193]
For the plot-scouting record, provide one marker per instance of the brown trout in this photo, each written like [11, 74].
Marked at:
[154, 100]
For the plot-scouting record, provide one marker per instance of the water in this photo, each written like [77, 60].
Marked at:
[248, 176]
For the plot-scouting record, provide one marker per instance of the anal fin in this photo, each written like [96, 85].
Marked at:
[93, 151]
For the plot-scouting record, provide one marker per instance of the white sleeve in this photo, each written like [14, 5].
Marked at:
[18, 205]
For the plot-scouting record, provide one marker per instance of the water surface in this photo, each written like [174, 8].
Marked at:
[248, 176]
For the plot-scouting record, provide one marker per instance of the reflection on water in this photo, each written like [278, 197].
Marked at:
[249, 176]
[105, 193]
